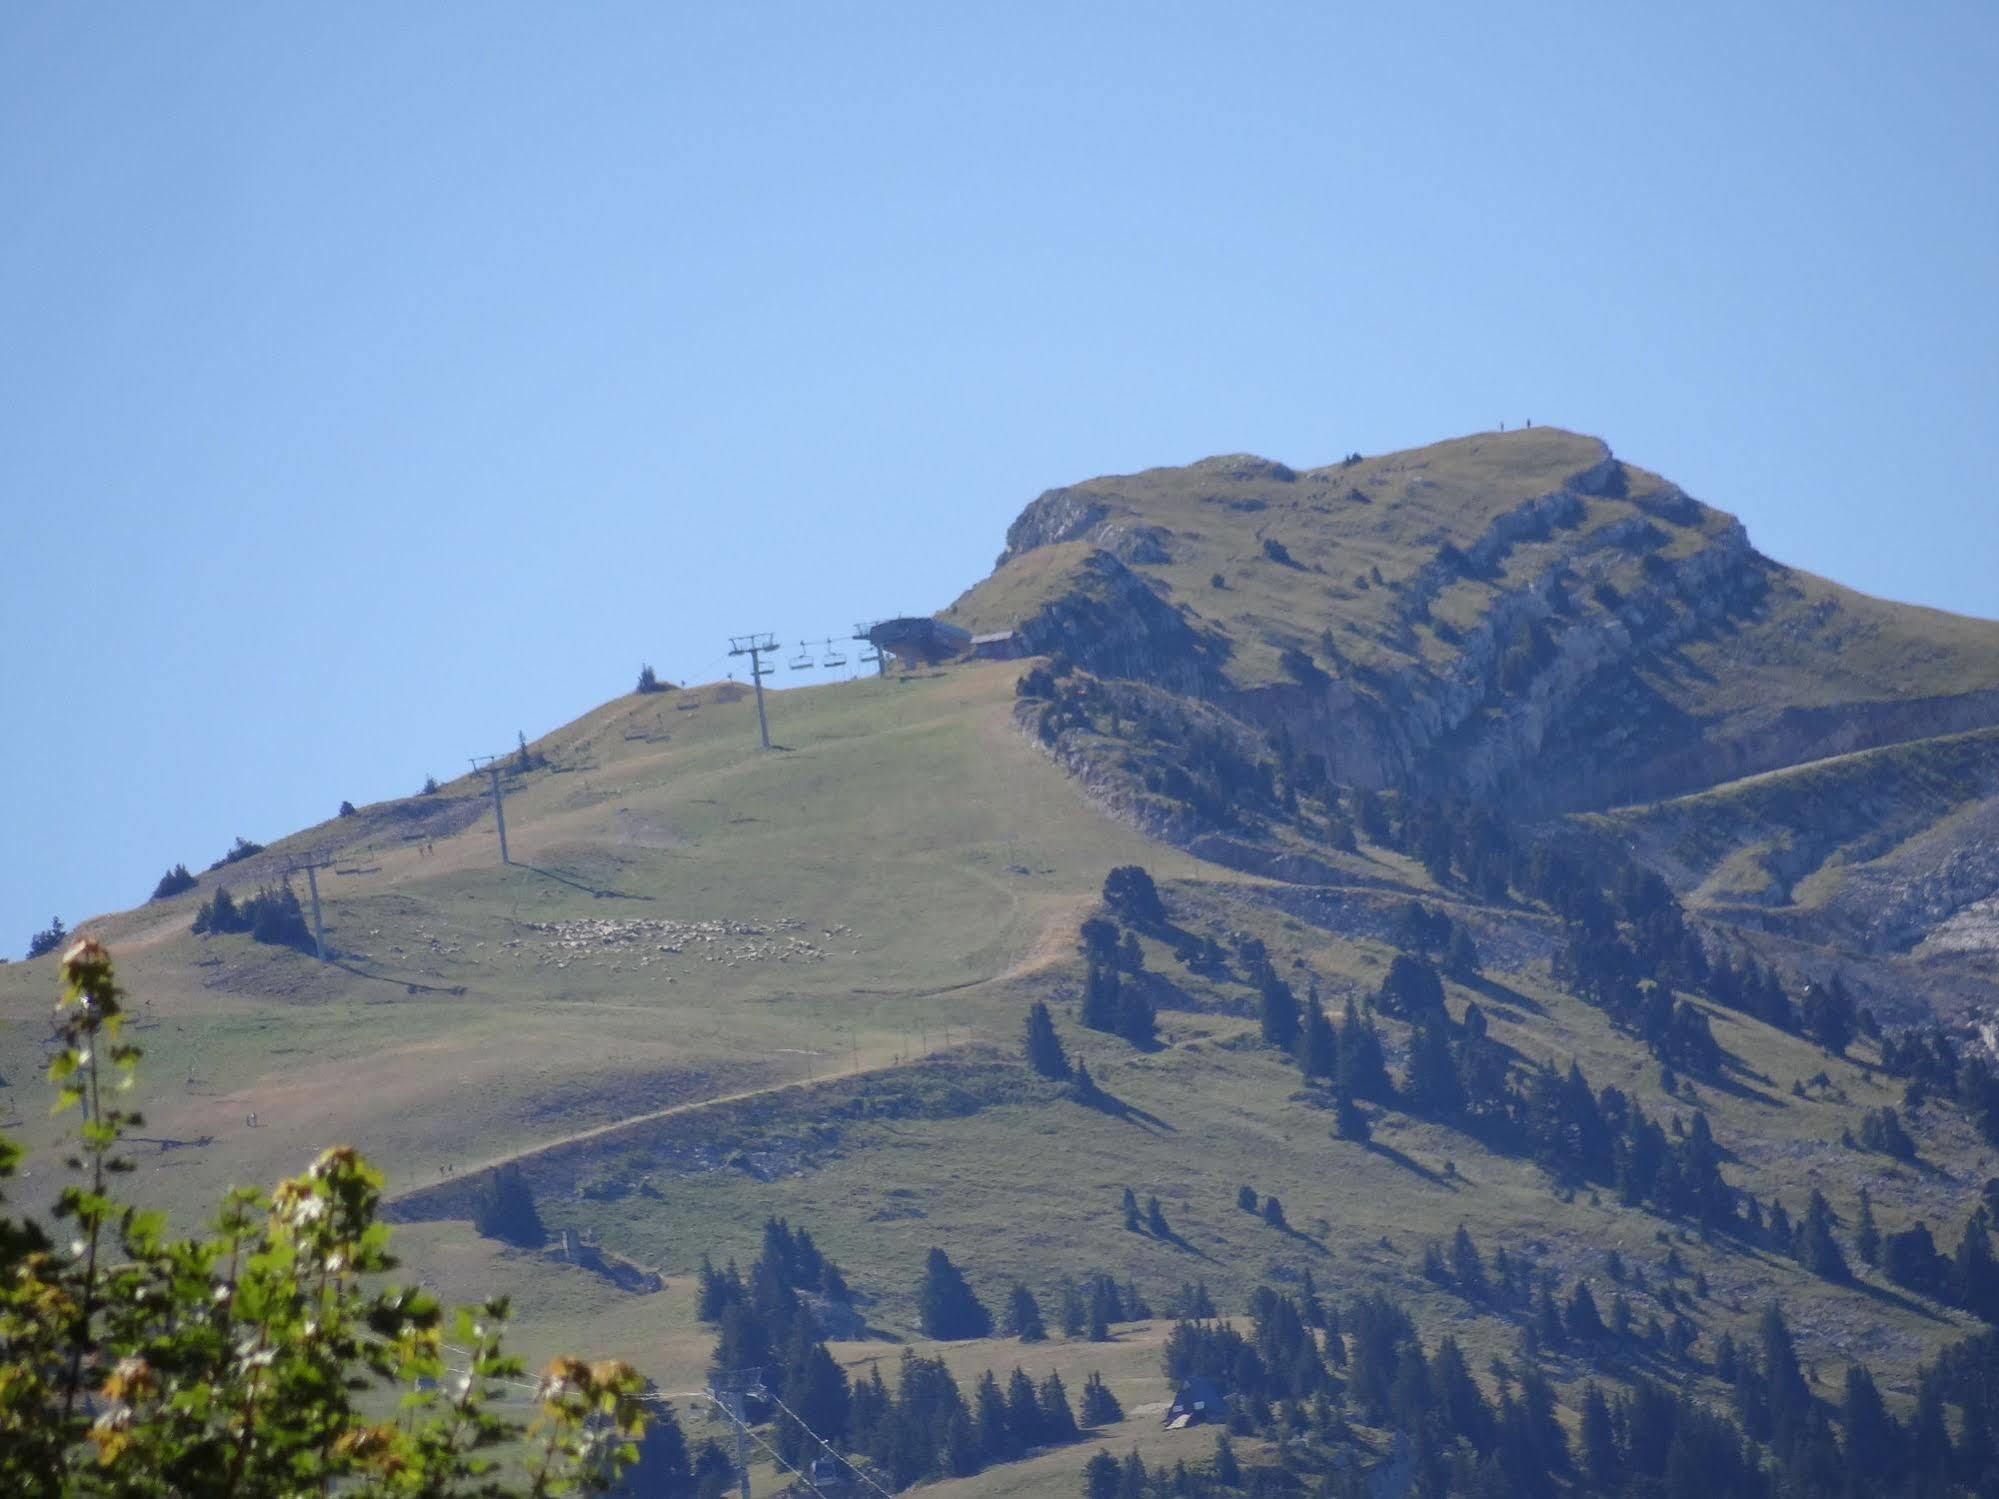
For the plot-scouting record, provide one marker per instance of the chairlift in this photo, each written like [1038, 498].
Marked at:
[833, 657]
[803, 660]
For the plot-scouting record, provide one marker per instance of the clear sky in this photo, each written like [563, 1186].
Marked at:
[378, 381]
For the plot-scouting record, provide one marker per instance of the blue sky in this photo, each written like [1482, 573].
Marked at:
[376, 382]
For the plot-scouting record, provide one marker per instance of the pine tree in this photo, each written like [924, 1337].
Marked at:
[1349, 1122]
[1363, 1073]
[1023, 1411]
[1137, 1021]
[1099, 1407]
[1277, 1011]
[1318, 1048]
[1155, 1219]
[1043, 1047]
[1273, 1213]
[1130, 1207]
[1100, 997]
[1874, 1441]
[1974, 1275]
[1866, 1237]
[1245, 1198]
[1129, 891]
[1082, 1087]
[946, 1306]
[1226, 1471]
[1058, 1421]
[1023, 1316]
[1131, 1482]
[1461, 956]
[1548, 1323]
[1583, 1324]
[1814, 1245]
[1602, 1463]
[1100, 1476]
[1467, 1269]
[989, 1420]
[1075, 1311]
[506, 1210]
[1411, 989]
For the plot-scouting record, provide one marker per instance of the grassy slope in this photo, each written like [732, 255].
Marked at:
[907, 820]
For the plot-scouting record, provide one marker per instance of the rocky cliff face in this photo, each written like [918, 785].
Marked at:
[1608, 575]
[1536, 626]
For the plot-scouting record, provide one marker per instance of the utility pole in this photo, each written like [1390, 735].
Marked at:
[731, 1390]
[874, 654]
[755, 647]
[312, 863]
[491, 765]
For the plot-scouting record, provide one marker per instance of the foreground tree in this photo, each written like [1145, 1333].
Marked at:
[265, 1356]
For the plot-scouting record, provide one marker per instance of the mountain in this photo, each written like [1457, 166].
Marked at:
[1621, 839]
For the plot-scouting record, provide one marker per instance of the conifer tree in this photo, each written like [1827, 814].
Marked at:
[1058, 1420]
[1075, 1311]
[1277, 1012]
[1100, 1476]
[1082, 1087]
[1023, 1316]
[1136, 1020]
[1318, 1047]
[1866, 1237]
[989, 1420]
[1225, 1470]
[946, 1306]
[1602, 1463]
[1583, 1324]
[506, 1210]
[1467, 1269]
[1099, 1407]
[1814, 1244]
[1155, 1219]
[1974, 1275]
[1023, 1411]
[1363, 1072]
[1043, 1047]
[1461, 956]
[1100, 997]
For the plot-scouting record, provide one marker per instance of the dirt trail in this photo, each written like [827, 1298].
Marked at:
[598, 1131]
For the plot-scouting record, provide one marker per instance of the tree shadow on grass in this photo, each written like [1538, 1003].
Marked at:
[411, 986]
[1410, 1164]
[1725, 1081]
[562, 878]
[1494, 992]
[1317, 1246]
[1174, 1238]
[1117, 1108]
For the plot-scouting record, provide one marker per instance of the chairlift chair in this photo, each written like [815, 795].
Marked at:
[833, 657]
[803, 660]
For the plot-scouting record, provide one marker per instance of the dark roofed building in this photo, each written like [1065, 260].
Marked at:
[1198, 1400]
[917, 637]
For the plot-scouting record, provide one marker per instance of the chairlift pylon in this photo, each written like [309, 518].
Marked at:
[803, 660]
